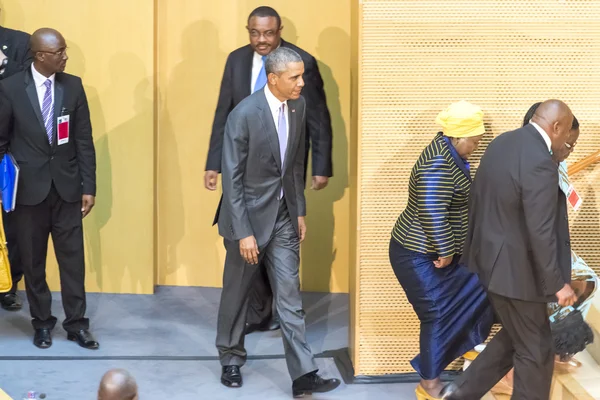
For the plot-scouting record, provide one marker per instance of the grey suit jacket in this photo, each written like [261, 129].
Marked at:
[518, 239]
[251, 170]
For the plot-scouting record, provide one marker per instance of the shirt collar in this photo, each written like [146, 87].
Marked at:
[40, 79]
[544, 135]
[258, 57]
[274, 103]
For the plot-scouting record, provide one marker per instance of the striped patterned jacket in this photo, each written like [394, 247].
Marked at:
[436, 216]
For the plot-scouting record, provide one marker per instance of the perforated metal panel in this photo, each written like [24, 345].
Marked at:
[416, 57]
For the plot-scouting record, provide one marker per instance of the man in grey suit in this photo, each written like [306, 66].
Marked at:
[261, 218]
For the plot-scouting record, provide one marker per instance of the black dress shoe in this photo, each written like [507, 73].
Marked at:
[11, 302]
[313, 383]
[450, 392]
[231, 376]
[42, 338]
[84, 338]
[274, 325]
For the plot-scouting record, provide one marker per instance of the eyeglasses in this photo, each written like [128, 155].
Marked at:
[267, 34]
[59, 53]
[569, 146]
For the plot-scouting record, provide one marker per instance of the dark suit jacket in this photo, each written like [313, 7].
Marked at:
[71, 166]
[252, 178]
[235, 86]
[518, 238]
[17, 51]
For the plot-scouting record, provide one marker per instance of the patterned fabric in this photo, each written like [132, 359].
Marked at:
[436, 216]
[48, 110]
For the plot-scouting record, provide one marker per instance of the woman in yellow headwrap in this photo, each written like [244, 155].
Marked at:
[426, 246]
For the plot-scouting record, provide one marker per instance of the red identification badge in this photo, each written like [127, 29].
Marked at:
[62, 125]
[574, 199]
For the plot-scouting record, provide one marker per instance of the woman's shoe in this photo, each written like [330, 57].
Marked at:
[469, 358]
[567, 366]
[423, 395]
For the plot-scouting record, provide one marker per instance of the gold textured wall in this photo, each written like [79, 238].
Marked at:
[416, 57]
[110, 46]
[194, 39]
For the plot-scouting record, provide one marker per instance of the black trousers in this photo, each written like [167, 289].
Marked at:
[14, 257]
[63, 221]
[524, 342]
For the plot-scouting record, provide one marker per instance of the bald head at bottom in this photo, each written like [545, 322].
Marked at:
[553, 110]
[117, 384]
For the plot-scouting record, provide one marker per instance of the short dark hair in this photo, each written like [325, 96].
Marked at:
[575, 124]
[265, 11]
[530, 113]
[278, 59]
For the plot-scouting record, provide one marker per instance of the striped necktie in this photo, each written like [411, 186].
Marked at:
[48, 110]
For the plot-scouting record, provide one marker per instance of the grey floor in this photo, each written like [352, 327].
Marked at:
[167, 341]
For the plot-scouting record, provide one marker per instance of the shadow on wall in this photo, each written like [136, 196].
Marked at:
[129, 141]
[100, 215]
[319, 249]
[191, 96]
[17, 16]
[289, 32]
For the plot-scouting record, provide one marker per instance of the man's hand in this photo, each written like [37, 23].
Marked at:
[87, 202]
[443, 262]
[566, 296]
[249, 250]
[319, 182]
[210, 180]
[302, 228]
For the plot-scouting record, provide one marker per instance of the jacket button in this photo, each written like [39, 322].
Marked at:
[568, 244]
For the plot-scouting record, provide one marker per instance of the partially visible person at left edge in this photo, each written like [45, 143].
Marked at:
[14, 57]
[45, 121]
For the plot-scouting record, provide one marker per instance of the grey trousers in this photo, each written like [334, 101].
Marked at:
[281, 257]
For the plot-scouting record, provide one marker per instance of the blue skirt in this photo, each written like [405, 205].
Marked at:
[451, 304]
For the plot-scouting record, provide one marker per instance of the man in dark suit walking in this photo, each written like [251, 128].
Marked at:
[261, 218]
[14, 57]
[245, 74]
[45, 123]
[518, 244]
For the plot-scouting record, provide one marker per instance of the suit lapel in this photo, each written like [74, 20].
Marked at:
[246, 65]
[266, 118]
[59, 93]
[291, 134]
[33, 98]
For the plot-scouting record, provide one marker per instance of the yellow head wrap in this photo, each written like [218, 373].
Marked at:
[461, 120]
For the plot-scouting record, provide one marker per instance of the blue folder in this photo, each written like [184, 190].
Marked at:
[9, 181]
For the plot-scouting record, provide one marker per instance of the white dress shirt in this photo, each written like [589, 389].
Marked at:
[275, 106]
[544, 135]
[257, 64]
[40, 87]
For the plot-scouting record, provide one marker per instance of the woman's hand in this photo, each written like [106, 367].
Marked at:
[443, 262]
